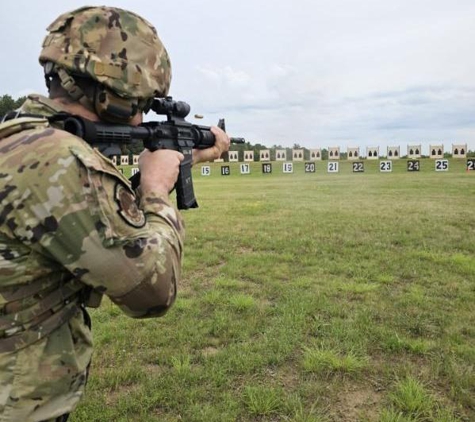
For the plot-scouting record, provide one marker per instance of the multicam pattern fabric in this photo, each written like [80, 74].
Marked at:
[113, 46]
[64, 229]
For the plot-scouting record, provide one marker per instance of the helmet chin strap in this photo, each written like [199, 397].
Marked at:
[74, 91]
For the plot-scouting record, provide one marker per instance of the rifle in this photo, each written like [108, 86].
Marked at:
[175, 133]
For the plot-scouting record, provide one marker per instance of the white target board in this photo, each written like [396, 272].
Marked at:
[281, 155]
[385, 166]
[287, 167]
[315, 154]
[248, 155]
[333, 167]
[441, 165]
[245, 169]
[205, 170]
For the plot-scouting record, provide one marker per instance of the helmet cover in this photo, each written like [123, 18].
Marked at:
[115, 47]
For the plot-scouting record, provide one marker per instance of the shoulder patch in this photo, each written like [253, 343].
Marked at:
[128, 208]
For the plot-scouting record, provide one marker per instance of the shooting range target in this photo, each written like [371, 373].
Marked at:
[372, 153]
[315, 154]
[414, 151]
[248, 155]
[353, 153]
[436, 151]
[459, 151]
[394, 152]
[334, 153]
[281, 155]
[264, 155]
[297, 155]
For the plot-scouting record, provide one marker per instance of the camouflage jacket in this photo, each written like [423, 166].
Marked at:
[69, 221]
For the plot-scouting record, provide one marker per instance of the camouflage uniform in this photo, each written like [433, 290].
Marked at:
[69, 220]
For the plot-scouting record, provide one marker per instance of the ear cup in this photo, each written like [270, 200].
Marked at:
[111, 107]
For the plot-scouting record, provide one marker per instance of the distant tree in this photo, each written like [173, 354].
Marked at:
[7, 103]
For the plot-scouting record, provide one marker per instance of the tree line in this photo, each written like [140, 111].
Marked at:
[7, 103]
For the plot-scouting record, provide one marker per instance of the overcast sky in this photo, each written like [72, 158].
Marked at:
[319, 73]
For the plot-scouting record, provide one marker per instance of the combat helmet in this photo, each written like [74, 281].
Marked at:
[118, 49]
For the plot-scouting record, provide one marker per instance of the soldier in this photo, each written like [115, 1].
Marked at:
[71, 227]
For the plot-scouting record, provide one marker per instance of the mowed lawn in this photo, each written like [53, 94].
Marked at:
[306, 297]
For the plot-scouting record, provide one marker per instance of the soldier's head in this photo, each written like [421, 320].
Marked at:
[108, 59]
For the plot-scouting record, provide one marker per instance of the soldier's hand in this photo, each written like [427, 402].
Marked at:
[159, 170]
[220, 146]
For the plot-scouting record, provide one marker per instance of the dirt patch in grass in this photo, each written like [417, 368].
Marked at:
[357, 403]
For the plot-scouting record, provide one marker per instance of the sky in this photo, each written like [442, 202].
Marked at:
[318, 73]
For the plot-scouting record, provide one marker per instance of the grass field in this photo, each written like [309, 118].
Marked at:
[306, 298]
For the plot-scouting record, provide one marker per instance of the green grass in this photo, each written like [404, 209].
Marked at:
[306, 298]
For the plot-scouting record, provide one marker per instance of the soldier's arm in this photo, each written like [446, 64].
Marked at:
[127, 250]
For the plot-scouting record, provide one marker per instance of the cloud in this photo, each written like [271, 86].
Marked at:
[226, 76]
[312, 72]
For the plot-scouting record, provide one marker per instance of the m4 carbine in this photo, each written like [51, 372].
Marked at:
[175, 133]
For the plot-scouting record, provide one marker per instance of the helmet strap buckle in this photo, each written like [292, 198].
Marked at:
[69, 84]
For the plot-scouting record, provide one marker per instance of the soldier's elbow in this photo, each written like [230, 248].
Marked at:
[152, 298]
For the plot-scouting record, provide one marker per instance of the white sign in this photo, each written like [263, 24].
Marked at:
[245, 169]
[385, 166]
[441, 165]
[288, 168]
[333, 166]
